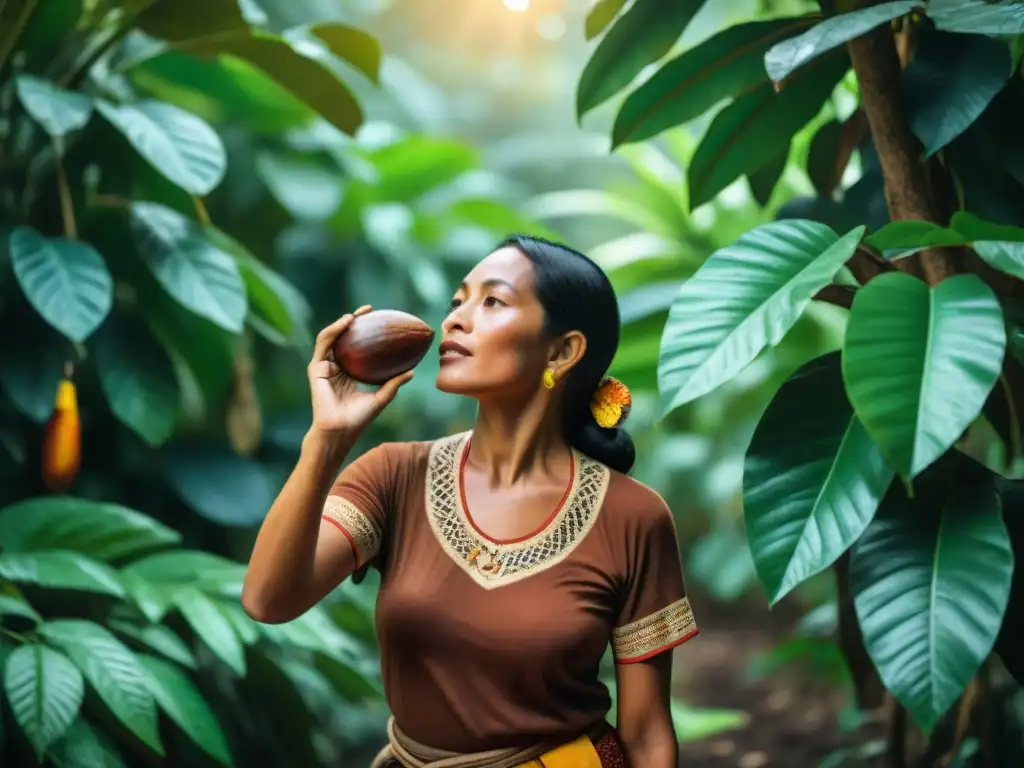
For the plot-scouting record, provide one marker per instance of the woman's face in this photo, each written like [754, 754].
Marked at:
[492, 342]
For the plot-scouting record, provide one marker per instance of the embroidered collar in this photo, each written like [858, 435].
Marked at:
[491, 564]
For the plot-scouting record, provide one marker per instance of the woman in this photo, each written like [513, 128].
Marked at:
[511, 555]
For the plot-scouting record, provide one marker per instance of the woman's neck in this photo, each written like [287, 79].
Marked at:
[510, 442]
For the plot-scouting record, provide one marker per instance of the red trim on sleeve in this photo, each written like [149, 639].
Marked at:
[652, 654]
[351, 541]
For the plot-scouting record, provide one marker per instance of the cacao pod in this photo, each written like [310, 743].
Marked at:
[382, 344]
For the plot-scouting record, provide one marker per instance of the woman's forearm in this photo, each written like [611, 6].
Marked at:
[660, 751]
[281, 577]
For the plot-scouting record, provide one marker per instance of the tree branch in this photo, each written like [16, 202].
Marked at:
[840, 295]
[908, 192]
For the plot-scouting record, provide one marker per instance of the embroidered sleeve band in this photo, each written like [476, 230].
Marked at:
[362, 533]
[653, 634]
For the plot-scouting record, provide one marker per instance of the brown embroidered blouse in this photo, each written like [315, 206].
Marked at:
[488, 645]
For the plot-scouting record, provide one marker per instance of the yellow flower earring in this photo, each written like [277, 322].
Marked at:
[549, 378]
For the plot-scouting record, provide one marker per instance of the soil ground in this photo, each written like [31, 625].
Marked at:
[792, 722]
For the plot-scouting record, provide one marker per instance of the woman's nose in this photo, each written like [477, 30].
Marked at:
[456, 320]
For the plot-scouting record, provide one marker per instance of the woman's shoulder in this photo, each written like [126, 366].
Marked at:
[407, 453]
[631, 502]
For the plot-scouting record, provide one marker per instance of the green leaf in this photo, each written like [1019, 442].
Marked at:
[950, 82]
[200, 276]
[271, 297]
[185, 705]
[729, 63]
[190, 19]
[911, 234]
[44, 692]
[11, 605]
[185, 566]
[981, 17]
[600, 16]
[762, 181]
[158, 637]
[1006, 257]
[101, 530]
[302, 68]
[744, 298]
[823, 158]
[137, 378]
[808, 498]
[113, 671]
[974, 228]
[83, 747]
[181, 146]
[782, 59]
[212, 627]
[919, 363]
[415, 165]
[641, 36]
[60, 569]
[197, 472]
[226, 89]
[31, 367]
[355, 46]
[60, 112]
[931, 579]
[758, 126]
[66, 281]
[304, 187]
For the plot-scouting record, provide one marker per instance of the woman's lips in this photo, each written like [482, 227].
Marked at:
[451, 351]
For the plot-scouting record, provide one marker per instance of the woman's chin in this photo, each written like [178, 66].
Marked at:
[453, 384]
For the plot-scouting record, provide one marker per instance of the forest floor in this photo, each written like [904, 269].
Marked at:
[792, 719]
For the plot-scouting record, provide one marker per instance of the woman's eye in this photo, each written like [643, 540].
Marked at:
[491, 301]
[454, 305]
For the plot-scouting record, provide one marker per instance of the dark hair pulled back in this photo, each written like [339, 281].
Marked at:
[577, 295]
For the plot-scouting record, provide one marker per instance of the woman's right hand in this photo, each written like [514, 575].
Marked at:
[338, 406]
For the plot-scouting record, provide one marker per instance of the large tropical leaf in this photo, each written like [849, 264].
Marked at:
[949, 84]
[981, 17]
[641, 36]
[600, 16]
[65, 280]
[44, 691]
[1007, 257]
[177, 143]
[744, 298]
[180, 699]
[807, 498]
[196, 473]
[919, 363]
[729, 63]
[159, 638]
[297, 63]
[212, 627]
[358, 48]
[759, 125]
[931, 578]
[762, 181]
[200, 276]
[113, 671]
[85, 747]
[60, 569]
[783, 58]
[11, 605]
[60, 112]
[102, 530]
[137, 377]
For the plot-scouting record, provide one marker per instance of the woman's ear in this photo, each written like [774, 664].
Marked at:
[568, 351]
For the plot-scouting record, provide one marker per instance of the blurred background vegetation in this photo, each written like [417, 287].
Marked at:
[188, 192]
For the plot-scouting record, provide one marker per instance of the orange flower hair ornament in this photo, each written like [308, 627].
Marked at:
[611, 403]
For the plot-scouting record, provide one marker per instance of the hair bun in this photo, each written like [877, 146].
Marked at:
[611, 403]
